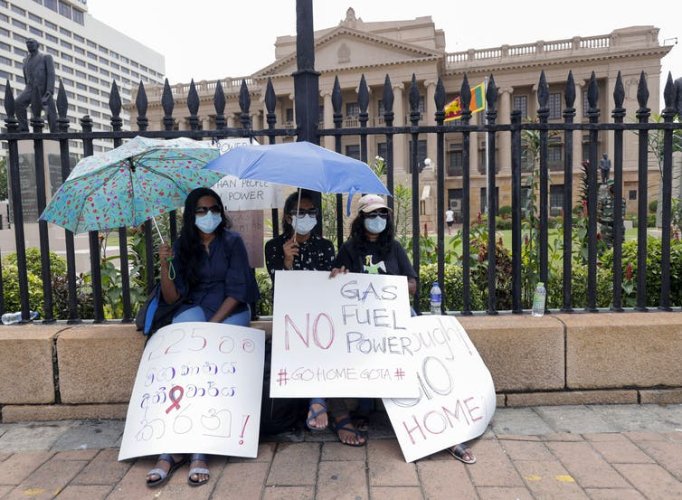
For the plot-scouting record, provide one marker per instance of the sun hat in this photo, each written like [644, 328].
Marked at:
[370, 203]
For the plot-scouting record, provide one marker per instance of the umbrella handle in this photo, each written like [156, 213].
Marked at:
[171, 268]
[158, 230]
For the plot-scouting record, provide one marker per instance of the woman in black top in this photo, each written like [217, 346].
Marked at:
[298, 248]
[372, 249]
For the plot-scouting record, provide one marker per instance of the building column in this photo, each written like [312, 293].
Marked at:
[578, 134]
[504, 139]
[328, 117]
[292, 100]
[430, 119]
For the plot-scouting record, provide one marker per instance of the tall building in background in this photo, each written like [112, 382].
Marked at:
[88, 56]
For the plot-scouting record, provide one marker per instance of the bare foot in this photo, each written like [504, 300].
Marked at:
[317, 416]
[347, 433]
[166, 463]
[198, 470]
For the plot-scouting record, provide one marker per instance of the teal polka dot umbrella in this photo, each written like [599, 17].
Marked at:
[131, 184]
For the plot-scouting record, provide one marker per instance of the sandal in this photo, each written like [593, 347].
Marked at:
[164, 476]
[346, 424]
[462, 453]
[194, 471]
[312, 414]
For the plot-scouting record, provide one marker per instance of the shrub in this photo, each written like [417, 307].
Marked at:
[579, 288]
[653, 278]
[503, 224]
[264, 306]
[33, 266]
[653, 205]
[84, 299]
[10, 283]
[10, 279]
[505, 211]
[453, 292]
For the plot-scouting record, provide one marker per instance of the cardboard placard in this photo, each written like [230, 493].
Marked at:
[245, 194]
[198, 390]
[249, 225]
[456, 392]
[340, 337]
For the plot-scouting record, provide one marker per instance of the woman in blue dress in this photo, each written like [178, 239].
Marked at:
[210, 274]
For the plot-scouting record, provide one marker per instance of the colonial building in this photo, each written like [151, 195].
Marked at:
[401, 49]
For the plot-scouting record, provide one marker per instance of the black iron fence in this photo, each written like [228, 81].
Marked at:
[307, 128]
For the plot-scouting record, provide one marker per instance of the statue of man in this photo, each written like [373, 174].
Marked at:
[605, 167]
[40, 79]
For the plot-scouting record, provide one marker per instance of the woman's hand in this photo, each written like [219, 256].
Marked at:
[165, 254]
[290, 251]
[337, 270]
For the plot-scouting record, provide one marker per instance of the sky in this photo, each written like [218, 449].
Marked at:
[213, 39]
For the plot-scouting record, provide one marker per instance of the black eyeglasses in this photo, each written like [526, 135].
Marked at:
[215, 209]
[302, 213]
[377, 213]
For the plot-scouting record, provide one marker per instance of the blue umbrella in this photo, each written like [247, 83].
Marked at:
[302, 165]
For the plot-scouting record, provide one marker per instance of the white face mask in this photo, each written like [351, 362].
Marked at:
[208, 223]
[375, 225]
[304, 224]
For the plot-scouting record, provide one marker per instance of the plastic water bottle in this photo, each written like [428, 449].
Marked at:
[539, 299]
[15, 317]
[436, 298]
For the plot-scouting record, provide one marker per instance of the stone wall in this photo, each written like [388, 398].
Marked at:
[52, 372]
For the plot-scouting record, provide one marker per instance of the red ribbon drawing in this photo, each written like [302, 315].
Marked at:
[176, 400]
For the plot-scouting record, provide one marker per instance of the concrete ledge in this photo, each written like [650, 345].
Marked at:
[661, 396]
[42, 413]
[610, 350]
[573, 398]
[558, 359]
[98, 363]
[522, 353]
[26, 364]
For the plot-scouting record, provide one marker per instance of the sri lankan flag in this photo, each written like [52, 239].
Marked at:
[453, 109]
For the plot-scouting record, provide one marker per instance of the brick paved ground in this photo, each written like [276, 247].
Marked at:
[601, 452]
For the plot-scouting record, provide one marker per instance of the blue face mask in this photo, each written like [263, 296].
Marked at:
[208, 223]
[375, 225]
[304, 225]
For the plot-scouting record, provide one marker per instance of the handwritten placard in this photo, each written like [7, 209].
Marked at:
[456, 392]
[340, 337]
[198, 390]
[245, 194]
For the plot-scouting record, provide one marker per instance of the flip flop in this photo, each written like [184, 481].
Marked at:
[462, 453]
[198, 457]
[346, 424]
[164, 476]
[312, 414]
